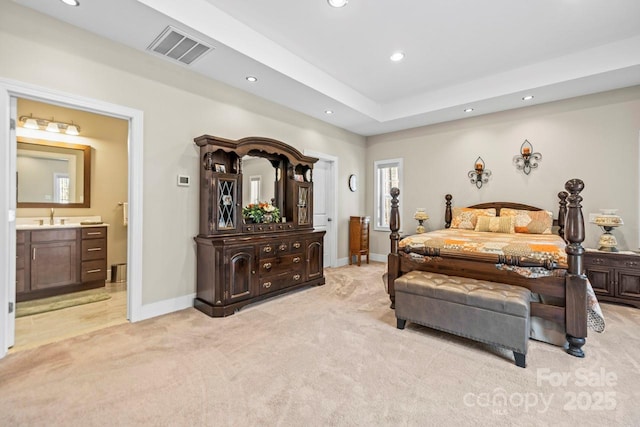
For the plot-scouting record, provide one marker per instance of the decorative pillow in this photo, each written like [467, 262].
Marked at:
[531, 222]
[500, 224]
[466, 218]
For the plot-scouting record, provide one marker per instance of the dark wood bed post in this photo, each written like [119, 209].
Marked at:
[393, 259]
[448, 216]
[562, 212]
[576, 281]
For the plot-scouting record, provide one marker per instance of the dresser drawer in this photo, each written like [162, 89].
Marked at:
[94, 249]
[279, 281]
[281, 264]
[618, 261]
[94, 270]
[94, 232]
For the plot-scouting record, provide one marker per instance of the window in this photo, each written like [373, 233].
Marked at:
[388, 174]
[61, 188]
[255, 188]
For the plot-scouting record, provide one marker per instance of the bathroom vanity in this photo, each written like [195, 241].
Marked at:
[54, 260]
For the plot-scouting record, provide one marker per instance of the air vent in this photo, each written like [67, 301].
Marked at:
[176, 45]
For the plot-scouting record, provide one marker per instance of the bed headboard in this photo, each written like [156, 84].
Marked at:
[562, 210]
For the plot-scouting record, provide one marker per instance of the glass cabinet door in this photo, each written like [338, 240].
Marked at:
[304, 204]
[227, 201]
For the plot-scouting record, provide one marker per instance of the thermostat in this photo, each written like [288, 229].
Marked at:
[183, 180]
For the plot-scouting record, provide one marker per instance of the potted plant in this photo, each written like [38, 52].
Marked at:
[261, 212]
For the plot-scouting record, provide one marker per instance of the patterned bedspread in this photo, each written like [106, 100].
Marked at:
[535, 246]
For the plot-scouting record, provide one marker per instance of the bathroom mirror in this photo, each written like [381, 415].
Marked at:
[258, 180]
[53, 174]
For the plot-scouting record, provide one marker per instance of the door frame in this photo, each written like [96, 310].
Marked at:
[15, 89]
[333, 176]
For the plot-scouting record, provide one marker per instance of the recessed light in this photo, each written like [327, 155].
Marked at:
[71, 2]
[397, 56]
[468, 110]
[252, 79]
[328, 112]
[337, 3]
[527, 98]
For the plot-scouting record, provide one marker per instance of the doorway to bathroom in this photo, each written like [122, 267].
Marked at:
[91, 191]
[10, 92]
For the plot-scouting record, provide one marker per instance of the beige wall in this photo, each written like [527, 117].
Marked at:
[594, 138]
[178, 105]
[108, 138]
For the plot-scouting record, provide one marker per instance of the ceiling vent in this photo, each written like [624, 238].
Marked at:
[176, 45]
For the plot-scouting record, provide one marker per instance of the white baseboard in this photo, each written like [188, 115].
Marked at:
[147, 311]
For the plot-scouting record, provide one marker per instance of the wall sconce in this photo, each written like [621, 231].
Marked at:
[527, 159]
[30, 122]
[479, 175]
[421, 216]
[607, 221]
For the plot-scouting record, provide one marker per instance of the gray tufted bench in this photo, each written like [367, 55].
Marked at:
[489, 312]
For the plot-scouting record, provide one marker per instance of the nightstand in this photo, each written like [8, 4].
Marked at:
[614, 276]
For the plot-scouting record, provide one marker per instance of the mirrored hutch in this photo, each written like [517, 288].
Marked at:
[239, 260]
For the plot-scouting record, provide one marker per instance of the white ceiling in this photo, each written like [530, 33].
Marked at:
[311, 57]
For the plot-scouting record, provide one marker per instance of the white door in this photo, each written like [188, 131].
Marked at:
[11, 296]
[323, 206]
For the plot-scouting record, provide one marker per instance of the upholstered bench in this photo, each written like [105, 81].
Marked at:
[489, 312]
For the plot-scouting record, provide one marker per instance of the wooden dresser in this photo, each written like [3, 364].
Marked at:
[57, 261]
[239, 261]
[614, 276]
[358, 238]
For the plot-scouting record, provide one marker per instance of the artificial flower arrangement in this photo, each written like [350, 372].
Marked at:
[261, 212]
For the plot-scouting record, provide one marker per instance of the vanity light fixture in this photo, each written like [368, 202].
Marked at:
[397, 56]
[252, 79]
[71, 2]
[337, 3]
[30, 122]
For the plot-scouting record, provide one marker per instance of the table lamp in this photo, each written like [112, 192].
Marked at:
[607, 221]
[421, 216]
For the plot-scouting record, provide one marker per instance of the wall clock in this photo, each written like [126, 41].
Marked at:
[353, 182]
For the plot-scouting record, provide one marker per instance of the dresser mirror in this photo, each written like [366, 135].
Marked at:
[259, 178]
[53, 174]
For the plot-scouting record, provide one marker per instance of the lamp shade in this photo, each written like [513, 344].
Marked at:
[53, 127]
[72, 130]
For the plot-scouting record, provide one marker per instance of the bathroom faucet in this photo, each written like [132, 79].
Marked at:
[51, 221]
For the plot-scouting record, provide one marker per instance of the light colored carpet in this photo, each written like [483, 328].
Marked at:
[328, 355]
[43, 305]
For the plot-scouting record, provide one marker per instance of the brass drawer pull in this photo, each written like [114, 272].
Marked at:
[94, 249]
[296, 245]
[267, 265]
[267, 249]
[631, 264]
[94, 233]
[296, 260]
[296, 277]
[283, 247]
[598, 261]
[98, 270]
[266, 285]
